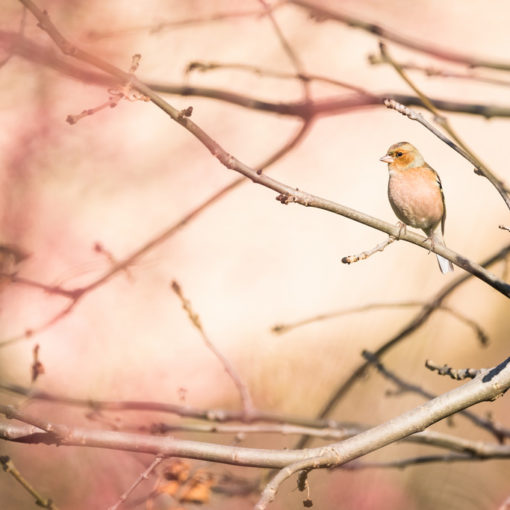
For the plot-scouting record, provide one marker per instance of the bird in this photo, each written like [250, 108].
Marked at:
[416, 195]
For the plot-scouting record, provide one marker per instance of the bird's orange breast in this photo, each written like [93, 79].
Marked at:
[416, 198]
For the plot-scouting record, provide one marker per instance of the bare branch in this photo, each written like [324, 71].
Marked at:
[293, 57]
[365, 254]
[330, 106]
[144, 475]
[287, 193]
[323, 13]
[201, 66]
[443, 73]
[478, 330]
[411, 422]
[183, 23]
[481, 168]
[246, 399]
[403, 386]
[458, 374]
[422, 316]
[9, 467]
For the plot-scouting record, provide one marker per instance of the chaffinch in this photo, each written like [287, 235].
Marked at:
[416, 195]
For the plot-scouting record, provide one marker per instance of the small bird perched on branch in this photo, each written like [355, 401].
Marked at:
[416, 195]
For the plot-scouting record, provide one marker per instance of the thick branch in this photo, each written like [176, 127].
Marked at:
[490, 384]
[481, 388]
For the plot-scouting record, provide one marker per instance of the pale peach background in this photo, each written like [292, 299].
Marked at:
[122, 176]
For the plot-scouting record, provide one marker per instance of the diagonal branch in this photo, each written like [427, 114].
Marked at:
[242, 388]
[287, 193]
[379, 31]
[460, 147]
[422, 316]
[404, 425]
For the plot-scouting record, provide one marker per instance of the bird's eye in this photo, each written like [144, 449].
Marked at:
[399, 153]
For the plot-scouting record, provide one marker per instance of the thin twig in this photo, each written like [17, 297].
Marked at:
[323, 13]
[500, 433]
[458, 374]
[29, 333]
[182, 23]
[406, 424]
[201, 66]
[248, 406]
[287, 194]
[334, 105]
[123, 265]
[143, 476]
[443, 73]
[365, 254]
[412, 461]
[291, 53]
[422, 316]
[480, 333]
[9, 467]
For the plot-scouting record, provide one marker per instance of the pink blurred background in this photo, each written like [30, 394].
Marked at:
[123, 175]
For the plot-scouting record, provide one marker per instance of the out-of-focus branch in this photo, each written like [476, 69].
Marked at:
[287, 194]
[144, 475]
[185, 411]
[9, 467]
[443, 73]
[323, 13]
[500, 433]
[289, 50]
[330, 106]
[422, 316]
[185, 22]
[457, 374]
[443, 121]
[404, 425]
[480, 333]
[248, 406]
[203, 67]
[217, 420]
[448, 458]
[31, 332]
[490, 384]
[123, 265]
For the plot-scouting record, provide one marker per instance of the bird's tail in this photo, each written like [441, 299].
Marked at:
[444, 264]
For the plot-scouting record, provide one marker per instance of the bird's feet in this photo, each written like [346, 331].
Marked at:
[402, 229]
[430, 239]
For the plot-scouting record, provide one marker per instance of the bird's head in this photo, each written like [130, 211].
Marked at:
[403, 155]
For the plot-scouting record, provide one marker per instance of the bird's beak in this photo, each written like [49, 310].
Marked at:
[386, 159]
